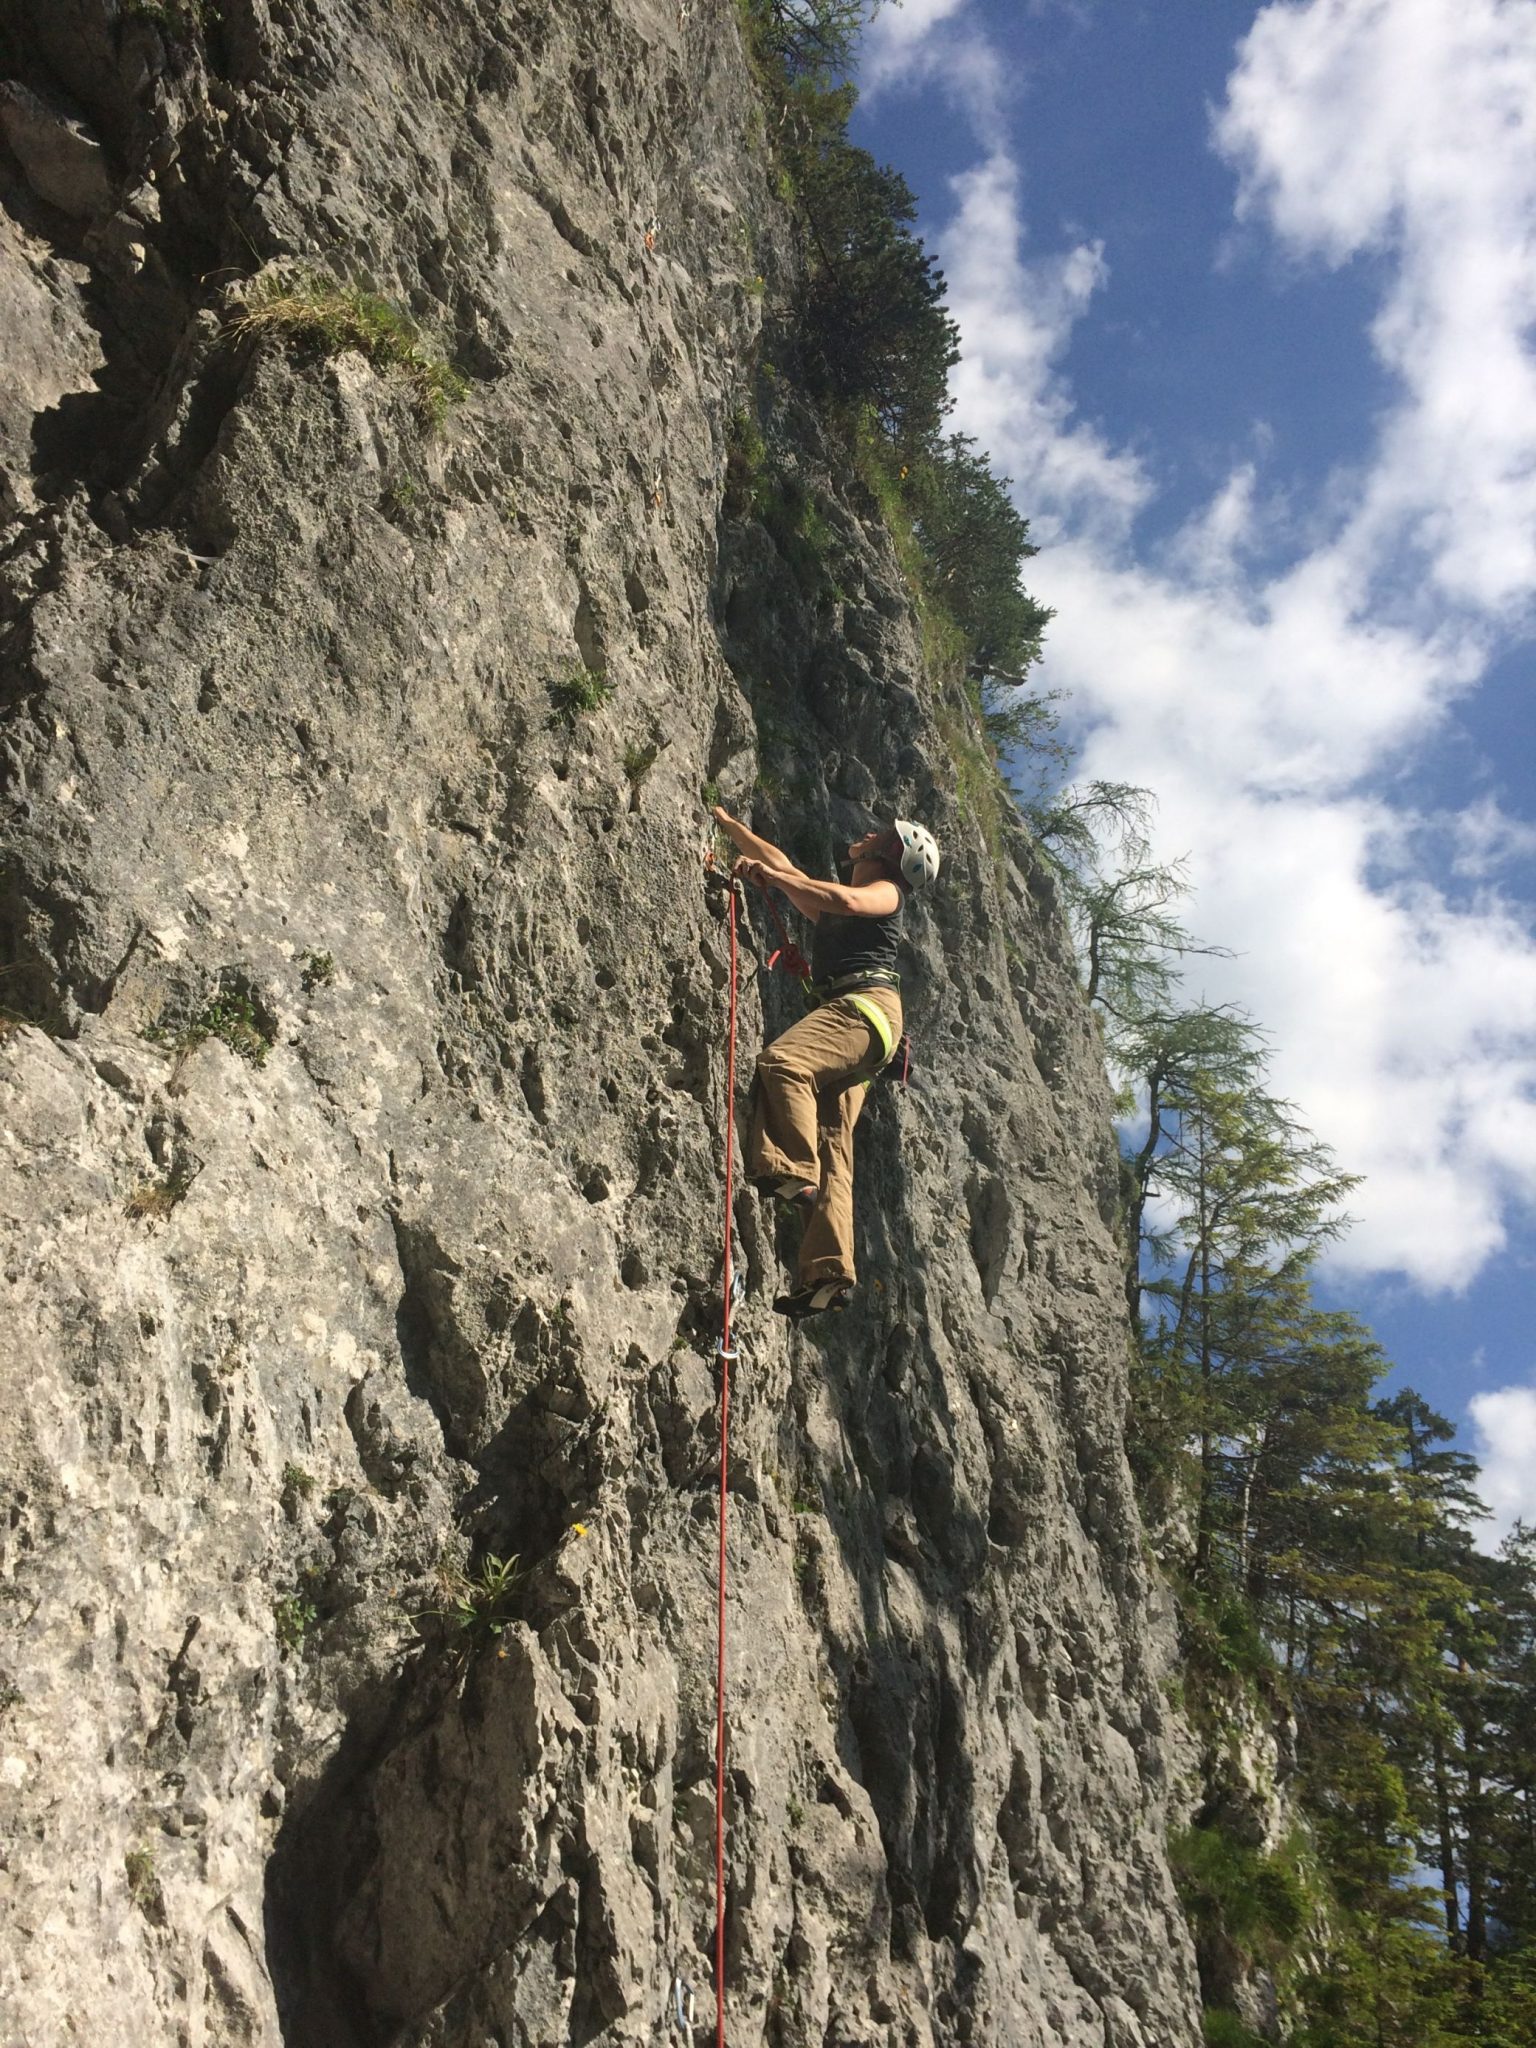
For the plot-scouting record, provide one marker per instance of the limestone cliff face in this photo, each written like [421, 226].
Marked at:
[362, 1125]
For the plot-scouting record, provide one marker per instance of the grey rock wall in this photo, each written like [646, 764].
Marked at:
[362, 1075]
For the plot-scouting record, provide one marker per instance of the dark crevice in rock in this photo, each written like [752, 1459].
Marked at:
[414, 1326]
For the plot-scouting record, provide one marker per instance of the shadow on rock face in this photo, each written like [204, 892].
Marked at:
[427, 1852]
[312, 1871]
[910, 1672]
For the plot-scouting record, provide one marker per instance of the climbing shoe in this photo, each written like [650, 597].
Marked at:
[813, 1300]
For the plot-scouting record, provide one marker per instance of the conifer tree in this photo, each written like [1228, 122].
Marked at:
[874, 329]
[1512, 1718]
[809, 37]
[977, 544]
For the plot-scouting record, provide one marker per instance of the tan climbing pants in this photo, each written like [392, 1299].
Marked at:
[810, 1090]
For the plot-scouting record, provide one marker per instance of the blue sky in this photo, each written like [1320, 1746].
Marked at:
[1247, 297]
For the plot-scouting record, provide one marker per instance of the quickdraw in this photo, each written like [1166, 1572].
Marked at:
[682, 2006]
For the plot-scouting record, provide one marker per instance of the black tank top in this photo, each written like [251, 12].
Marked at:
[855, 945]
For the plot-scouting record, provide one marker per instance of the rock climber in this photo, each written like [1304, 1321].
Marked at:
[812, 1079]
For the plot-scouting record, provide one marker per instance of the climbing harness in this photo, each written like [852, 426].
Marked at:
[847, 984]
[727, 1360]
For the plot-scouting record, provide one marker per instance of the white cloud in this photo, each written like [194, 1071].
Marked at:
[1017, 317]
[899, 39]
[1486, 838]
[1505, 1423]
[1265, 708]
[922, 42]
[1405, 128]
[1208, 548]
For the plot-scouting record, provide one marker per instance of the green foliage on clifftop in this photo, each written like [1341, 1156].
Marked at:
[876, 346]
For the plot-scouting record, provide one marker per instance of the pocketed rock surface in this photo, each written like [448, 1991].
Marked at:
[362, 1112]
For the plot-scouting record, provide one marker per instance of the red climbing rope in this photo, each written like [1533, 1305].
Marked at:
[726, 1361]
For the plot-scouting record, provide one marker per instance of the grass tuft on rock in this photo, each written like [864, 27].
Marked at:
[310, 307]
[478, 1606]
[153, 1200]
[144, 1883]
[231, 1018]
[578, 691]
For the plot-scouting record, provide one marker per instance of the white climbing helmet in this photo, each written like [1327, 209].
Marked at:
[919, 852]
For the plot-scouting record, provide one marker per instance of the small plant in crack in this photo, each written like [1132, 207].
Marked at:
[153, 1200]
[298, 1482]
[576, 692]
[231, 1018]
[294, 1617]
[639, 761]
[318, 972]
[173, 17]
[477, 1605]
[143, 1881]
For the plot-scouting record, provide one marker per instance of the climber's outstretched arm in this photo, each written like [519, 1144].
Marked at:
[815, 899]
[762, 850]
[763, 862]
